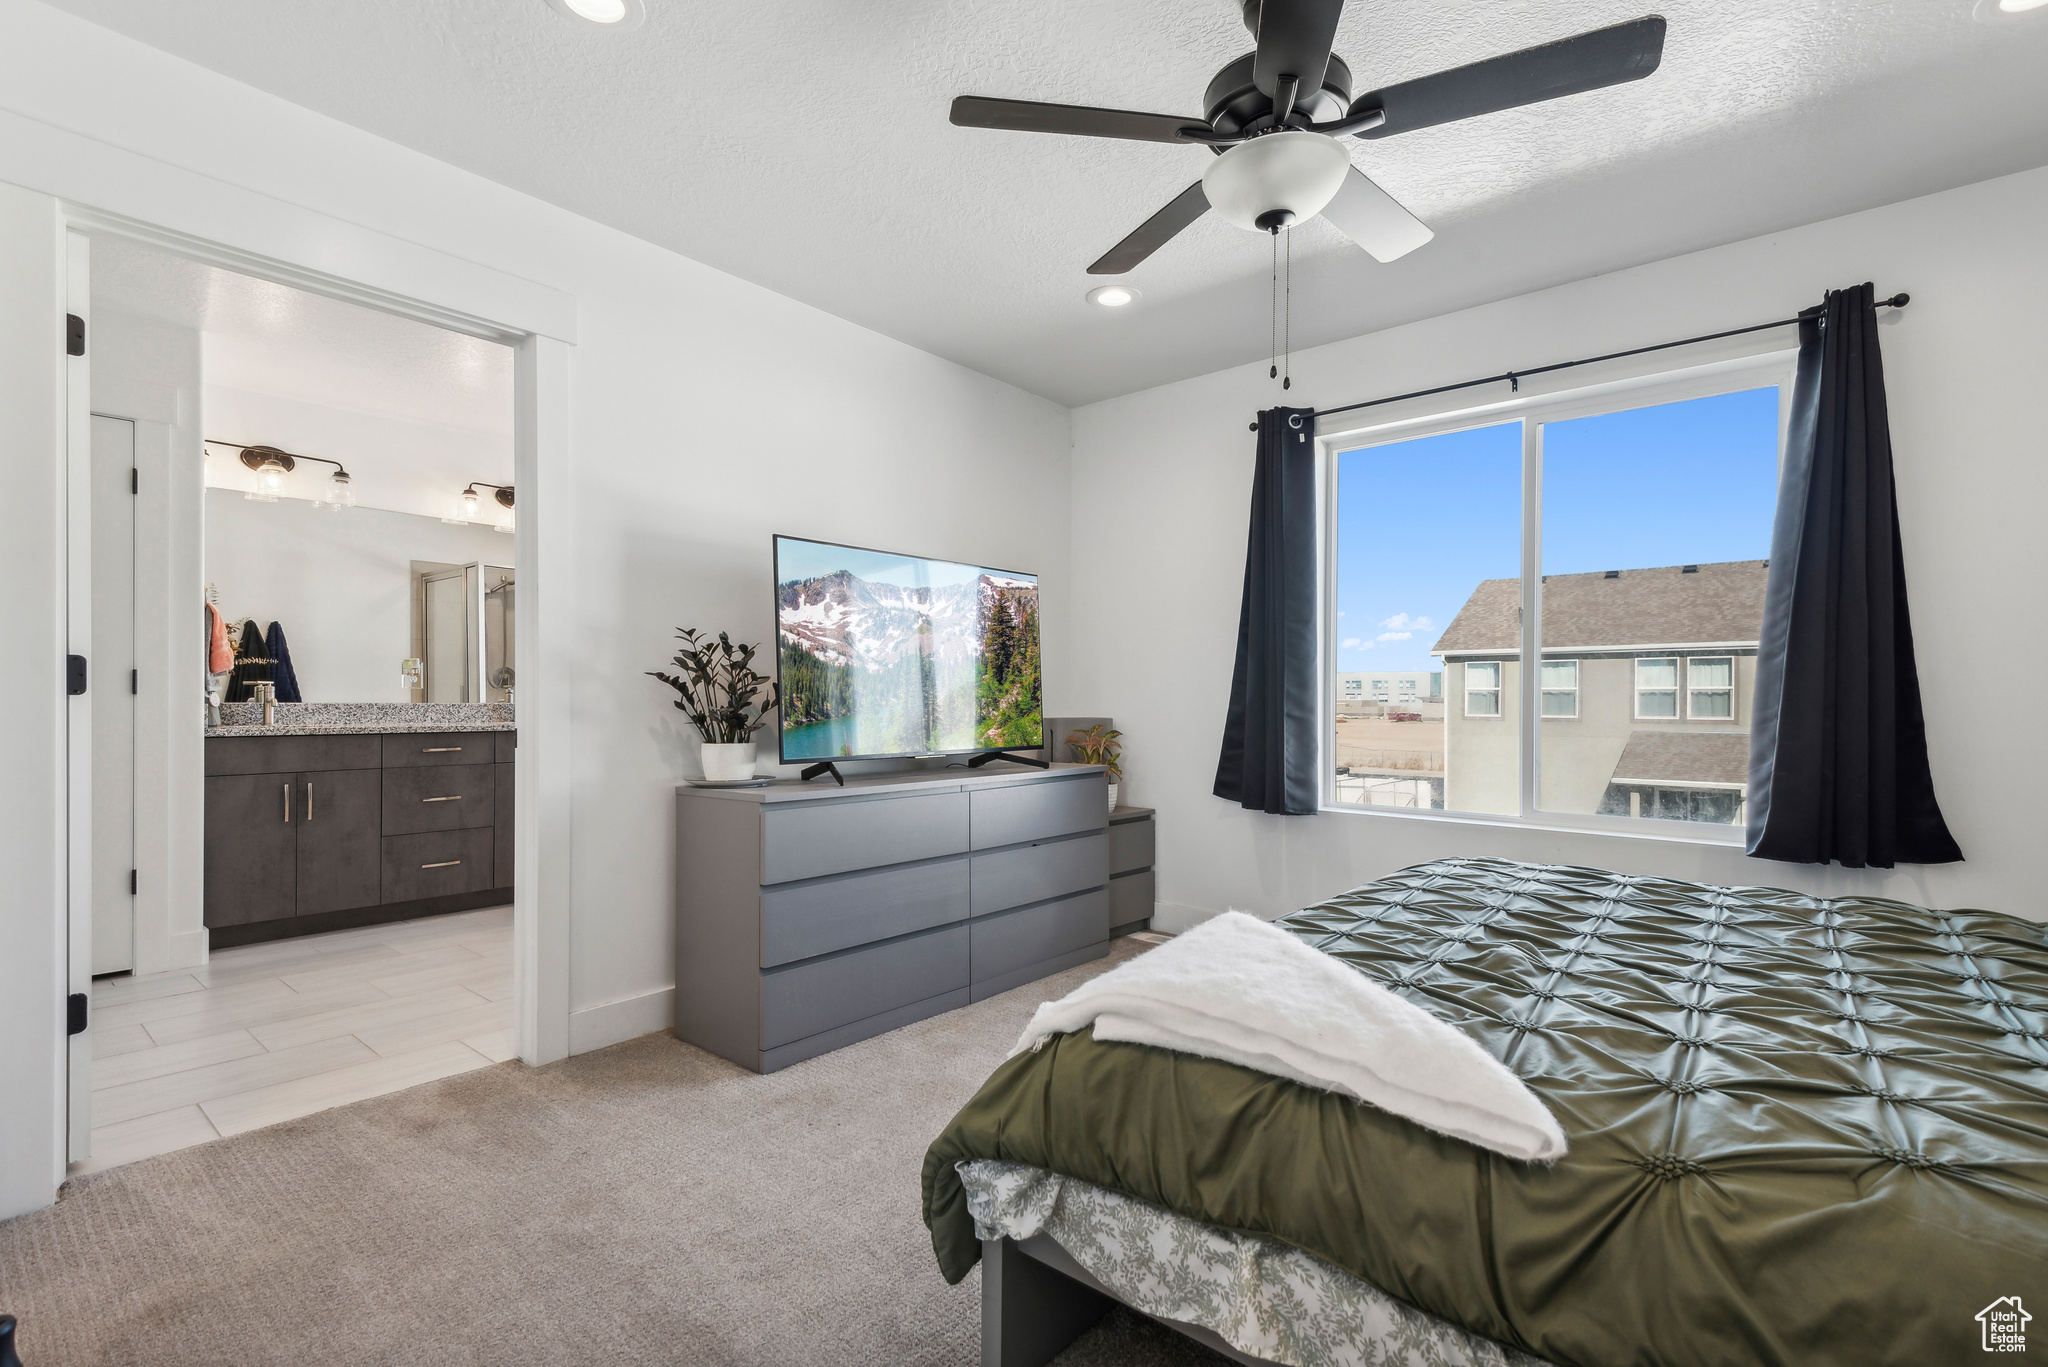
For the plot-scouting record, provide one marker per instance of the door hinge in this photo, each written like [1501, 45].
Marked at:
[134, 480]
[135, 681]
[74, 335]
[74, 1014]
[131, 882]
[74, 674]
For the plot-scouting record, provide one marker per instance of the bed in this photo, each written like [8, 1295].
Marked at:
[1801, 1132]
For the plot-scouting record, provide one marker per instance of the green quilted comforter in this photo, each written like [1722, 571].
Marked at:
[1802, 1131]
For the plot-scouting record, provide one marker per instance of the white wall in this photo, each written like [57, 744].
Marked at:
[1162, 481]
[704, 413]
[338, 583]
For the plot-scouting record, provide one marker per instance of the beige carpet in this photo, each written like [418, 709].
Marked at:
[648, 1203]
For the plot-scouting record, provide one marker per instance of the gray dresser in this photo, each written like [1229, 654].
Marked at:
[309, 833]
[1133, 837]
[810, 917]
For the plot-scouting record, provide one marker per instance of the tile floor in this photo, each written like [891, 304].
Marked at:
[267, 1032]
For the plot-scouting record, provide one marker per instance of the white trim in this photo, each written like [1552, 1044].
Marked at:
[1498, 690]
[1676, 690]
[597, 1027]
[1679, 783]
[1692, 688]
[77, 596]
[1544, 690]
[1582, 651]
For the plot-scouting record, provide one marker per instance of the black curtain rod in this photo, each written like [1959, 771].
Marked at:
[1515, 377]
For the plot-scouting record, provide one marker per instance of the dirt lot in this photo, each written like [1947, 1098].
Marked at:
[1373, 743]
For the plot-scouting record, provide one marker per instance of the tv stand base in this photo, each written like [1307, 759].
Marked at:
[822, 767]
[991, 756]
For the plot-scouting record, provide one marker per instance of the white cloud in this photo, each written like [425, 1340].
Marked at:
[1353, 643]
[1395, 635]
[1401, 621]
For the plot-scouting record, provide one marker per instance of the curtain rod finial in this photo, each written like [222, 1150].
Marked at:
[1897, 301]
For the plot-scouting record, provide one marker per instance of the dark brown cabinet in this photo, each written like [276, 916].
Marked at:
[309, 833]
[251, 848]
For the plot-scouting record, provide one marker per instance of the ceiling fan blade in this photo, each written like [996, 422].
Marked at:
[1607, 56]
[1029, 116]
[1374, 219]
[1294, 40]
[1154, 233]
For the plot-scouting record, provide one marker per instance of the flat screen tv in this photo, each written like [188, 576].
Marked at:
[882, 655]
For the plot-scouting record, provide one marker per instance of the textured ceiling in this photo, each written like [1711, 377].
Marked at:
[414, 411]
[803, 144]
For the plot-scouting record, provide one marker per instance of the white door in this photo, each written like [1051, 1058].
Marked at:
[113, 712]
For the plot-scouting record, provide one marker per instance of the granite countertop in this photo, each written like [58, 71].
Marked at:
[362, 719]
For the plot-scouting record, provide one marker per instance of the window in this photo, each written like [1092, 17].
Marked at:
[1620, 538]
[1657, 689]
[1710, 688]
[1560, 688]
[1482, 689]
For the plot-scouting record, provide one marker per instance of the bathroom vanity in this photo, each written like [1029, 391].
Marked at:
[314, 827]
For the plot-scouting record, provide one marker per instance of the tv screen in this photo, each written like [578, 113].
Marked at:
[886, 655]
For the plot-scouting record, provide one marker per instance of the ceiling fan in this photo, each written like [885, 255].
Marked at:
[1275, 117]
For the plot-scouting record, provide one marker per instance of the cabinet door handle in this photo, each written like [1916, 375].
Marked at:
[309, 802]
[440, 749]
[287, 804]
[456, 798]
[444, 864]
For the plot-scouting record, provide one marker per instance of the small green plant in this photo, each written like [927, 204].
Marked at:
[719, 686]
[1100, 745]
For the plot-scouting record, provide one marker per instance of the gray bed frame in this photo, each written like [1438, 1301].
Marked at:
[1035, 1300]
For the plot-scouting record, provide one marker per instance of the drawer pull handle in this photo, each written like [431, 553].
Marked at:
[456, 798]
[287, 803]
[309, 802]
[440, 749]
[444, 864]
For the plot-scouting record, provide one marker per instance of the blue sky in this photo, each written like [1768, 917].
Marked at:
[1420, 523]
[812, 559]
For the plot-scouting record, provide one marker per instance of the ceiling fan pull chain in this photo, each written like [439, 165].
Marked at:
[1273, 315]
[1288, 335]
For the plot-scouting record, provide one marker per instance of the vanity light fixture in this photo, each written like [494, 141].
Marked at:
[468, 503]
[616, 15]
[272, 464]
[1112, 296]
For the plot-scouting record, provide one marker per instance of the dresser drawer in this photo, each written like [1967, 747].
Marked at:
[289, 754]
[805, 999]
[1033, 873]
[415, 748]
[1013, 940]
[802, 920]
[436, 864]
[1130, 898]
[813, 839]
[1130, 846]
[443, 797]
[1019, 812]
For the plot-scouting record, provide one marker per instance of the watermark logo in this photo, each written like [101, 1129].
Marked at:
[2005, 1325]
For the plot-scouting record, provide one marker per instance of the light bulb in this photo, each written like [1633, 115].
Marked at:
[599, 11]
[1112, 296]
[339, 494]
[469, 504]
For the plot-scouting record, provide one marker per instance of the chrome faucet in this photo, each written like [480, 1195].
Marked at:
[266, 693]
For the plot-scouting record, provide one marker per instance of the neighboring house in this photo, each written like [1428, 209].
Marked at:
[1646, 683]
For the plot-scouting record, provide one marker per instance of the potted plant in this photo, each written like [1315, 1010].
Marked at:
[719, 688]
[1100, 745]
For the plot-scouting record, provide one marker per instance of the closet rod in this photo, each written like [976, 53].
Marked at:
[1515, 377]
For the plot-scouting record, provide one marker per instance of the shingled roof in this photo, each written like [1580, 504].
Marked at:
[1718, 604]
[1681, 757]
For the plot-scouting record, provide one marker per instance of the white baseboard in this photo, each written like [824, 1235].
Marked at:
[595, 1027]
[1171, 918]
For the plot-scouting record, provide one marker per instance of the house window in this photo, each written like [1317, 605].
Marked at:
[1482, 689]
[1574, 531]
[1657, 689]
[1560, 688]
[1710, 688]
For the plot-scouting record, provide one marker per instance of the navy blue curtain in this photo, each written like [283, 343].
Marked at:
[1838, 745]
[1270, 735]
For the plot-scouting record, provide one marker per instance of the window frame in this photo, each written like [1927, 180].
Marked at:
[1499, 689]
[1726, 367]
[1545, 691]
[1676, 689]
[1729, 688]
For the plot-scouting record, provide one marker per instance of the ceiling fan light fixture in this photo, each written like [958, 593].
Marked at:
[1276, 180]
[610, 14]
[1113, 296]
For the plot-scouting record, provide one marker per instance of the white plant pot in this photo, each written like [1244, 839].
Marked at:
[727, 763]
[1112, 797]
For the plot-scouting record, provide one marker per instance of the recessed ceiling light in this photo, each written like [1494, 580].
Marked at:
[611, 14]
[1112, 296]
[1998, 11]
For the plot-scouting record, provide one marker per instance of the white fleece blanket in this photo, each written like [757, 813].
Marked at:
[1237, 989]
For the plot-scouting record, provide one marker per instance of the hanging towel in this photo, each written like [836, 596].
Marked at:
[251, 665]
[281, 665]
[1239, 990]
[220, 656]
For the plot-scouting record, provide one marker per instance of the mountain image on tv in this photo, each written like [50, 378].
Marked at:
[885, 654]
